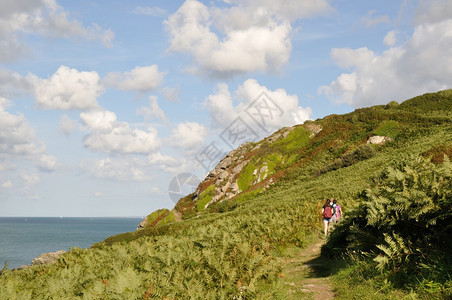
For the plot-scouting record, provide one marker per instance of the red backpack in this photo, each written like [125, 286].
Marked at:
[328, 212]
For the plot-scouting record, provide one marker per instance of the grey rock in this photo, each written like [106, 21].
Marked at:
[234, 187]
[378, 140]
[225, 187]
[47, 258]
[224, 174]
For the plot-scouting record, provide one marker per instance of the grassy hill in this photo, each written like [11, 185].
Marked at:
[223, 241]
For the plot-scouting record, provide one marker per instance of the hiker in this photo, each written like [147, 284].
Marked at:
[337, 212]
[327, 212]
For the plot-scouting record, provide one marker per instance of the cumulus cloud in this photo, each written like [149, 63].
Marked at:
[261, 109]
[117, 169]
[13, 84]
[433, 11]
[153, 110]
[67, 89]
[170, 164]
[248, 36]
[47, 163]
[420, 65]
[141, 79]
[44, 17]
[189, 135]
[112, 136]
[390, 38]
[17, 137]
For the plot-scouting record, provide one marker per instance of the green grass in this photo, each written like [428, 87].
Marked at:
[205, 197]
[246, 177]
[387, 128]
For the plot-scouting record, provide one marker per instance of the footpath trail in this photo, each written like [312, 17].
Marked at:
[305, 274]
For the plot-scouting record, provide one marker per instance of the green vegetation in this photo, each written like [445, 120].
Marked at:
[156, 216]
[296, 139]
[387, 128]
[246, 176]
[403, 223]
[392, 243]
[205, 197]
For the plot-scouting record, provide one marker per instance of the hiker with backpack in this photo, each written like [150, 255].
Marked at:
[337, 212]
[328, 211]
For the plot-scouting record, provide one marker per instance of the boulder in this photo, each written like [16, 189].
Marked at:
[225, 187]
[378, 140]
[234, 187]
[225, 163]
[47, 258]
[224, 175]
[142, 224]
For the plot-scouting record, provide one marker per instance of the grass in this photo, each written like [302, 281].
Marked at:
[205, 197]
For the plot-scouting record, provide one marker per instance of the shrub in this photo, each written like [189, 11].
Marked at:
[403, 220]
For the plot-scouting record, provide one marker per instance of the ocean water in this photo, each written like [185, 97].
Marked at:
[22, 239]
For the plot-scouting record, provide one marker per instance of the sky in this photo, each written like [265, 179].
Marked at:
[106, 106]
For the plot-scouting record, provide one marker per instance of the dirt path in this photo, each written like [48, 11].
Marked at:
[305, 275]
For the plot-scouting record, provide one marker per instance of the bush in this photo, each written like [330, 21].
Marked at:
[404, 221]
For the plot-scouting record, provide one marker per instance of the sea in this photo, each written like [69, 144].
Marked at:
[22, 238]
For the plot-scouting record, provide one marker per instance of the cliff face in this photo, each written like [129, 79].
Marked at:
[302, 151]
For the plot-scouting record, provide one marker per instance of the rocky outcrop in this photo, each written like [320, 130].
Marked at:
[379, 140]
[143, 224]
[47, 258]
[250, 166]
[313, 128]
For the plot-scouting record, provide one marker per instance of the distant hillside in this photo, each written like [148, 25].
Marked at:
[225, 241]
[311, 149]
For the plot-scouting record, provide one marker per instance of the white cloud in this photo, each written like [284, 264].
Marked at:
[189, 135]
[111, 136]
[282, 110]
[390, 38]
[153, 110]
[171, 164]
[29, 179]
[67, 89]
[255, 34]
[159, 158]
[12, 84]
[142, 79]
[67, 126]
[420, 65]
[371, 20]
[171, 94]
[98, 194]
[17, 137]
[101, 121]
[433, 11]
[117, 169]
[150, 11]
[48, 163]
[44, 17]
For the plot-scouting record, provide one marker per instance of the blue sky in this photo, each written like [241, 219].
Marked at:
[103, 103]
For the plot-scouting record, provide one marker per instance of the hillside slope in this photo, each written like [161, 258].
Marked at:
[228, 247]
[309, 150]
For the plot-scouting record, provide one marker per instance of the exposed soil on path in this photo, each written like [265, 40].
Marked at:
[305, 274]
